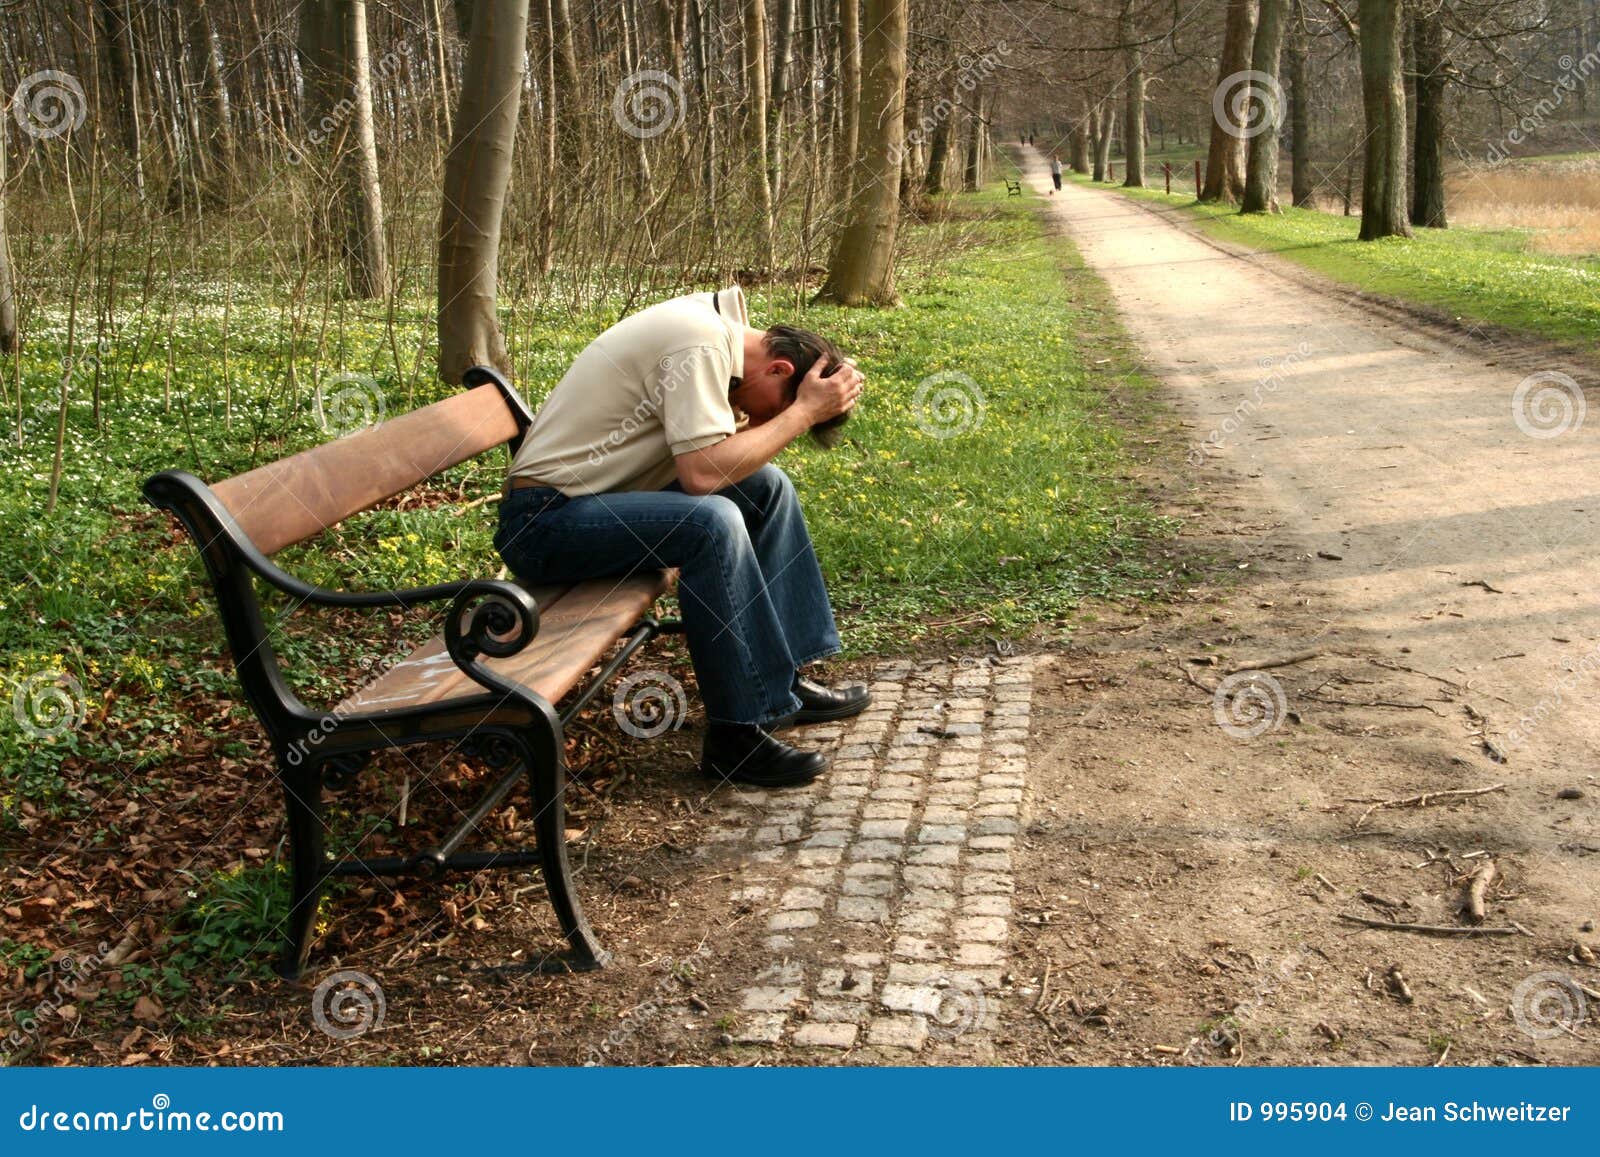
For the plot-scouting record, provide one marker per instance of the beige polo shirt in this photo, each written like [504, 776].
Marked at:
[652, 386]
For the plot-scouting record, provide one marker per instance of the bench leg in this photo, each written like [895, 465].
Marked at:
[302, 797]
[547, 776]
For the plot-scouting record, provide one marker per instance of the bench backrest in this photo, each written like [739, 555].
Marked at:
[288, 501]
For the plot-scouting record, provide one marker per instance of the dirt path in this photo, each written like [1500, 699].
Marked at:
[1389, 501]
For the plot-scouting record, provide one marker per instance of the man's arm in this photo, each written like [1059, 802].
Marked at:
[740, 455]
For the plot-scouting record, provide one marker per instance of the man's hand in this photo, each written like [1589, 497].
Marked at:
[737, 457]
[820, 398]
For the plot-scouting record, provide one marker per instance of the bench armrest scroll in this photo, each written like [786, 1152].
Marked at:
[494, 618]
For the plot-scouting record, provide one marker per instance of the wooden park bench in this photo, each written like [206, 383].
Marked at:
[1013, 188]
[488, 683]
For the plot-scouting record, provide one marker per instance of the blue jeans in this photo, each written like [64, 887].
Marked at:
[751, 592]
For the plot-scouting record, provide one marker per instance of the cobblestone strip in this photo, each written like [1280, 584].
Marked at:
[895, 868]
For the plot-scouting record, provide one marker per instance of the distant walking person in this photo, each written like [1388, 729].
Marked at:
[1055, 172]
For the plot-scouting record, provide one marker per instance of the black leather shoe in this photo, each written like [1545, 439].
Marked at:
[744, 753]
[818, 704]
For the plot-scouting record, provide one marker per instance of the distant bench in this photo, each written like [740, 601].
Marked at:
[488, 683]
[1013, 188]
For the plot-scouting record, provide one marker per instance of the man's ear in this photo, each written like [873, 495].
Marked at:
[782, 368]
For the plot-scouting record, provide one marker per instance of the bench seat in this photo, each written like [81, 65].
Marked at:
[577, 625]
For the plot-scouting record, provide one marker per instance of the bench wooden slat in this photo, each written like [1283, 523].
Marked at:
[290, 500]
[577, 625]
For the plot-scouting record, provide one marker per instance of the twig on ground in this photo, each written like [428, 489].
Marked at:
[1450, 683]
[1427, 929]
[1398, 985]
[1424, 799]
[1477, 885]
[1374, 703]
[1268, 664]
[1381, 901]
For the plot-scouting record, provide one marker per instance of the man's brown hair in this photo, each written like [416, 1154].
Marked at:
[804, 348]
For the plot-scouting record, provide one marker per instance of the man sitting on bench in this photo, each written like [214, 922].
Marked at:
[638, 459]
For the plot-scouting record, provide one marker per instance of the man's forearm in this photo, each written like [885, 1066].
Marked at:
[740, 455]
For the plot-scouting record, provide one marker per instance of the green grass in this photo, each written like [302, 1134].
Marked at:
[1480, 277]
[1004, 520]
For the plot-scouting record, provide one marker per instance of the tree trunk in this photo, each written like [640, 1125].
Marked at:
[1300, 179]
[755, 112]
[1427, 167]
[1082, 140]
[116, 26]
[943, 132]
[1261, 168]
[218, 104]
[630, 65]
[700, 24]
[850, 74]
[969, 178]
[549, 131]
[782, 42]
[862, 269]
[1133, 112]
[1102, 142]
[1225, 158]
[317, 46]
[476, 174]
[1383, 98]
[8, 276]
[569, 91]
[367, 262]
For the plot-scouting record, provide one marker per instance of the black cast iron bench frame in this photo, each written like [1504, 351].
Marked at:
[509, 726]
